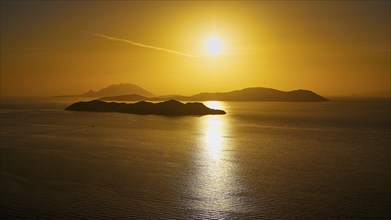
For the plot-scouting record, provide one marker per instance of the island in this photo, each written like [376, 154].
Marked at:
[130, 92]
[169, 108]
[256, 94]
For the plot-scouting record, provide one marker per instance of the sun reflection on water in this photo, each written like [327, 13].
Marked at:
[213, 137]
[213, 181]
[213, 104]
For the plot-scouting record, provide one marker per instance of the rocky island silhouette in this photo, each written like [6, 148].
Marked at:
[255, 94]
[169, 108]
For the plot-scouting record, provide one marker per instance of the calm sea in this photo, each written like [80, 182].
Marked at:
[263, 160]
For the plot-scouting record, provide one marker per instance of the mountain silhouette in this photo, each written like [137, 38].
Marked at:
[133, 97]
[261, 94]
[118, 89]
[247, 94]
[170, 107]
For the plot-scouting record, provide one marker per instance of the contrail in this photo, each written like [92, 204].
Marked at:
[138, 44]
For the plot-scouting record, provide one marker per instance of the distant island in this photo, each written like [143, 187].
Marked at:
[131, 92]
[115, 90]
[248, 94]
[169, 108]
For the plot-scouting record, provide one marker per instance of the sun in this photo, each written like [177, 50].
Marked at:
[214, 46]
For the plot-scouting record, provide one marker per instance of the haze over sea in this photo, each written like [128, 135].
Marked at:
[261, 160]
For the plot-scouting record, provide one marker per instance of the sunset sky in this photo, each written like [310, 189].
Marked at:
[68, 47]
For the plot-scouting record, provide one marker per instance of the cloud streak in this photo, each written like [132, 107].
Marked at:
[138, 44]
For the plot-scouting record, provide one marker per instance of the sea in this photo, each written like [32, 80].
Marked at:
[262, 160]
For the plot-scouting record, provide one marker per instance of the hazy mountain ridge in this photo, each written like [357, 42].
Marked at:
[260, 94]
[247, 94]
[133, 97]
[118, 89]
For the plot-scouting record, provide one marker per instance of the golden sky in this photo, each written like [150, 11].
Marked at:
[64, 47]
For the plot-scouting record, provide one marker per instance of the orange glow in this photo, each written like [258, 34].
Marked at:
[257, 43]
